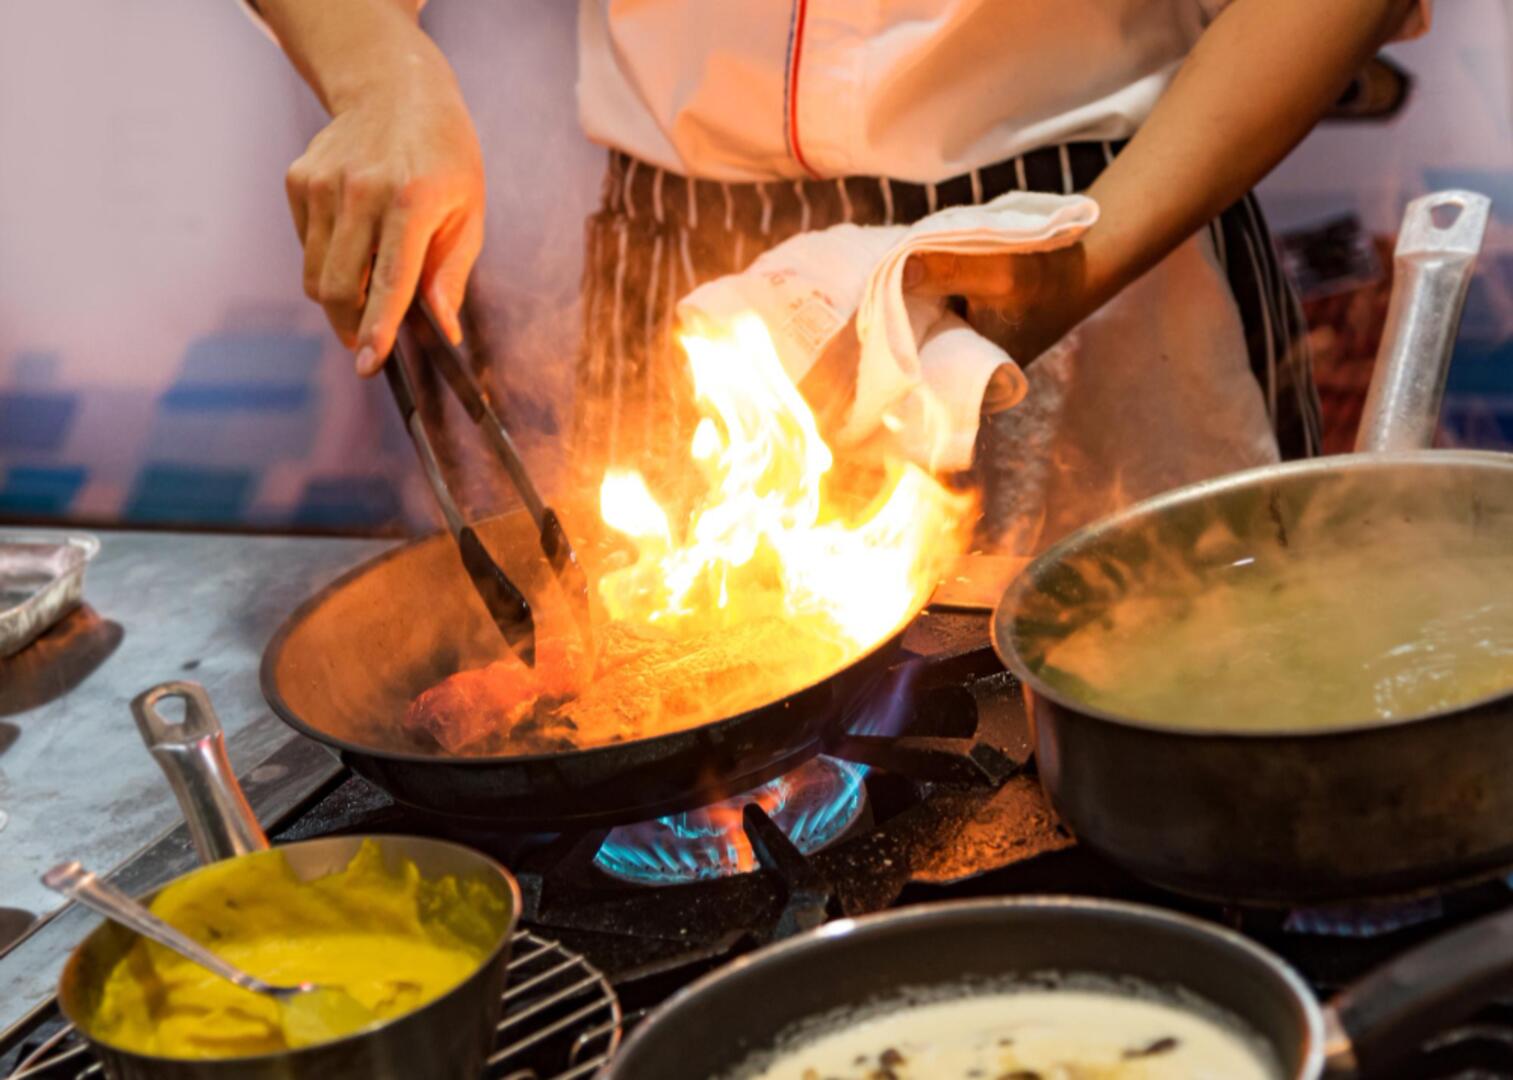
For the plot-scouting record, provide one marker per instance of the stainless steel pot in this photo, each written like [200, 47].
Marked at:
[449, 1038]
[1421, 802]
[753, 1004]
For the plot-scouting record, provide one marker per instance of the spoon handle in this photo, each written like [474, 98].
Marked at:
[77, 883]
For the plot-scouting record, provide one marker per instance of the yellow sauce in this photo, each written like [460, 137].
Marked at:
[392, 940]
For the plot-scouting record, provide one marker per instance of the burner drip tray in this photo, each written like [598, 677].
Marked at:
[813, 805]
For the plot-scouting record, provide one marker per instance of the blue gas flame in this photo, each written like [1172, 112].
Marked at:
[812, 805]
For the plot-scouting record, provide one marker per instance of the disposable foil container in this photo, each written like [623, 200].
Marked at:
[41, 580]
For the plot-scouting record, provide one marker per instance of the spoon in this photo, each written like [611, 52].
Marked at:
[310, 1013]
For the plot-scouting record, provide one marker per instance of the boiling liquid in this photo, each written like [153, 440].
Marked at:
[1334, 639]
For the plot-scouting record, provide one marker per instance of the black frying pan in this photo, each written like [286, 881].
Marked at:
[713, 1026]
[344, 667]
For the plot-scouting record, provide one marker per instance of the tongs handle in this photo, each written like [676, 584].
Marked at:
[505, 603]
[474, 398]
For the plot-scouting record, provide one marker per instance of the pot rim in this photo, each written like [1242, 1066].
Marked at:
[506, 939]
[1315, 1026]
[1006, 644]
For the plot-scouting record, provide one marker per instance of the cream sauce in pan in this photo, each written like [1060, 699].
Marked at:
[1057, 1034]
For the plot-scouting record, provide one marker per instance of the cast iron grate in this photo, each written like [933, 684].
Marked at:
[561, 1021]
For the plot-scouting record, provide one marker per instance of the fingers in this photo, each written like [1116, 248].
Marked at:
[941, 273]
[406, 234]
[320, 210]
[295, 181]
[344, 275]
[453, 251]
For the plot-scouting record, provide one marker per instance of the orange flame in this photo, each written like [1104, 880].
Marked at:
[764, 540]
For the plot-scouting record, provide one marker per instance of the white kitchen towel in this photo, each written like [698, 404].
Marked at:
[922, 371]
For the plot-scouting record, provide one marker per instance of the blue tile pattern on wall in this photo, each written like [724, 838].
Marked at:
[240, 401]
[34, 369]
[35, 421]
[245, 371]
[188, 494]
[41, 491]
[347, 501]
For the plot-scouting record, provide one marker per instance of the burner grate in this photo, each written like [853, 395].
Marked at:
[561, 1021]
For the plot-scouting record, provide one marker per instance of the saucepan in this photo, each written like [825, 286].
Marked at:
[769, 1004]
[1281, 813]
[447, 1038]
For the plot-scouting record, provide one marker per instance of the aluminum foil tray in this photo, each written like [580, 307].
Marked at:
[41, 580]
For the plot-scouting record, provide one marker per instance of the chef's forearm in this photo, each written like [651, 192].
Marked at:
[1259, 78]
[344, 47]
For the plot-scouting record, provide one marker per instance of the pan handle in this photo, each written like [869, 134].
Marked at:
[1431, 272]
[1391, 1011]
[192, 754]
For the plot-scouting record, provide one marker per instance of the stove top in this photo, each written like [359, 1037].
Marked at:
[932, 796]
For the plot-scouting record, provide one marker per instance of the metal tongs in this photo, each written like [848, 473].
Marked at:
[506, 604]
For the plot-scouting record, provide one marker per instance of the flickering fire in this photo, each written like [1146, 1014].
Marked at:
[766, 538]
[771, 582]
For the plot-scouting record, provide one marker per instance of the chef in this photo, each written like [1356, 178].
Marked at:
[731, 127]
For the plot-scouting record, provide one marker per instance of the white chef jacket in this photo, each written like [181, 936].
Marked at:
[917, 90]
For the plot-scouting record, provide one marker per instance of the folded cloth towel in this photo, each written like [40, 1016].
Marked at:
[922, 372]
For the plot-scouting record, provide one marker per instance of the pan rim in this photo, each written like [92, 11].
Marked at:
[1312, 1009]
[268, 684]
[1006, 645]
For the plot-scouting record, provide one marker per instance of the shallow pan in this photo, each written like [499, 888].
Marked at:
[765, 1001]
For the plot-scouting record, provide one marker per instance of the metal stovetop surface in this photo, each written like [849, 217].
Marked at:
[75, 780]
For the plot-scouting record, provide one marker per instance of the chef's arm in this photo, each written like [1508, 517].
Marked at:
[394, 182]
[1258, 79]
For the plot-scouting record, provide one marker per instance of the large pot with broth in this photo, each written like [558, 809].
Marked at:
[1295, 683]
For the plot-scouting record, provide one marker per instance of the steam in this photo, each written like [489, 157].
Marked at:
[1335, 594]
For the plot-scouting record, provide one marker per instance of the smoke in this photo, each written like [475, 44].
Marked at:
[517, 67]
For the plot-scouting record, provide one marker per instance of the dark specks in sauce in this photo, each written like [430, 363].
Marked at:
[1164, 1045]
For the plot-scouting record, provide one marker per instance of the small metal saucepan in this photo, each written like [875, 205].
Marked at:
[1378, 808]
[448, 1038]
[760, 1002]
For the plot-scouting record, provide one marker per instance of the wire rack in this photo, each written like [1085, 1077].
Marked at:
[561, 1021]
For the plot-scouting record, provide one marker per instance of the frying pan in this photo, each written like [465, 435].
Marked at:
[1376, 809]
[345, 665]
[715, 1024]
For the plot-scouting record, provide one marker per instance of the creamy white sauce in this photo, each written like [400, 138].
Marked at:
[1030, 1035]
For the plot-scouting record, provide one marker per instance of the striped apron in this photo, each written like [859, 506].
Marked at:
[657, 235]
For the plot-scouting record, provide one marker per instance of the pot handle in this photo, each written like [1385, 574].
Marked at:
[1431, 272]
[192, 755]
[1392, 1010]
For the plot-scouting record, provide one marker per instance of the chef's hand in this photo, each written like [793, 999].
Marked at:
[389, 196]
[1022, 303]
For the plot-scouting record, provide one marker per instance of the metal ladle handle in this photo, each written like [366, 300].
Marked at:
[192, 754]
[73, 881]
[1431, 271]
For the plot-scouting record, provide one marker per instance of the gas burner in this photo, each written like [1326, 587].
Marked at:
[1364, 920]
[813, 805]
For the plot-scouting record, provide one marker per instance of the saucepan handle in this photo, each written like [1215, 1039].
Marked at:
[192, 755]
[1436, 252]
[1389, 1013]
